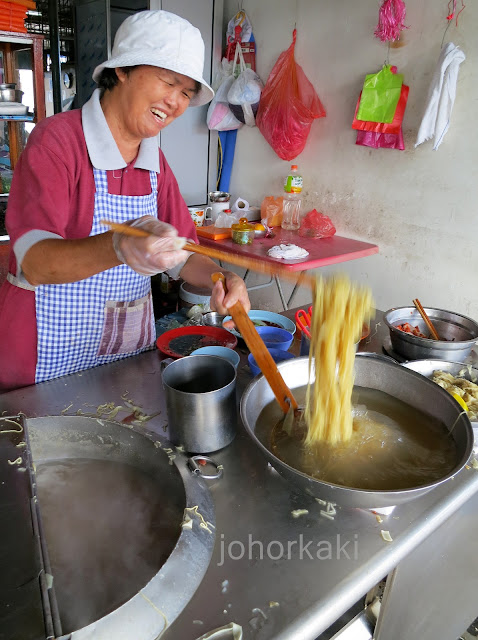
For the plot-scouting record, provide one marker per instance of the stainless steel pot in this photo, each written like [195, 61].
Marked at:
[374, 373]
[67, 438]
[219, 196]
[8, 94]
[200, 396]
[459, 334]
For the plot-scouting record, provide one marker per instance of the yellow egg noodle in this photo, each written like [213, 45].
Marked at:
[340, 309]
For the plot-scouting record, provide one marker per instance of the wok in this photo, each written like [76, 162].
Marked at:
[374, 373]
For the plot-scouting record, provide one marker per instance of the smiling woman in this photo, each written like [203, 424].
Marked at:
[143, 101]
[83, 293]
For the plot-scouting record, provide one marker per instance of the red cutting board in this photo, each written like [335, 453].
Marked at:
[213, 233]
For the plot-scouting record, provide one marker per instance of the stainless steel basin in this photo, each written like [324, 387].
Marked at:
[458, 334]
[149, 609]
[373, 373]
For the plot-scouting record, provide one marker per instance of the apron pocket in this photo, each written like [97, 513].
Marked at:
[127, 326]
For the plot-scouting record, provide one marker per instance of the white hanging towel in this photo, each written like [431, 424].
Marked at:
[441, 96]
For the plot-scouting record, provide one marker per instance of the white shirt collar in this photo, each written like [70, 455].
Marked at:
[102, 148]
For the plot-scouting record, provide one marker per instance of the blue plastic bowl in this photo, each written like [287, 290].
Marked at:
[222, 352]
[278, 355]
[275, 338]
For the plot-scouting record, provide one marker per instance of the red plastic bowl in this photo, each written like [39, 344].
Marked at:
[177, 343]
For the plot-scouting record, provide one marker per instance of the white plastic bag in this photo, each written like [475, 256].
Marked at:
[226, 220]
[245, 92]
[219, 115]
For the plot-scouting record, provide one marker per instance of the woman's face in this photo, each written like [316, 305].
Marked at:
[150, 98]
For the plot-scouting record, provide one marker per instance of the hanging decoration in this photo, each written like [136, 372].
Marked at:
[391, 20]
[452, 11]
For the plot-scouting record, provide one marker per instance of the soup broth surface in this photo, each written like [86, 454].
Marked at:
[109, 529]
[393, 446]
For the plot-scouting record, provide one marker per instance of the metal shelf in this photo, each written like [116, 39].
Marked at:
[10, 43]
[28, 118]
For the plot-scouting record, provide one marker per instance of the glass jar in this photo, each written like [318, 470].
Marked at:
[242, 232]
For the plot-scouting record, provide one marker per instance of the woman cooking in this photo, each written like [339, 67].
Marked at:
[78, 295]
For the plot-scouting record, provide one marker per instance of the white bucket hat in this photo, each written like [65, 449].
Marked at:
[160, 39]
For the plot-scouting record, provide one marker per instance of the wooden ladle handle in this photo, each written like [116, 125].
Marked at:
[256, 346]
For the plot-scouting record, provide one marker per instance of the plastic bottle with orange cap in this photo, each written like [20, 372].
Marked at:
[292, 199]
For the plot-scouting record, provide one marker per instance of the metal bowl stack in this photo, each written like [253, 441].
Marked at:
[10, 93]
[459, 334]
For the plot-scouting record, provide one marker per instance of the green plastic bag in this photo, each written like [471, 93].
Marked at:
[380, 96]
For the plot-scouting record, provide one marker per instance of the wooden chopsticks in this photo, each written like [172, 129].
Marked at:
[428, 322]
[125, 229]
[216, 254]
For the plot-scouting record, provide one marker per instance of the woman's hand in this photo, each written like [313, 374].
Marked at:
[236, 291]
[159, 251]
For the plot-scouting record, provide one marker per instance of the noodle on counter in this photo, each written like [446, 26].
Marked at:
[340, 309]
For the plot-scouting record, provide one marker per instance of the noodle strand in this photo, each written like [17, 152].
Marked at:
[339, 312]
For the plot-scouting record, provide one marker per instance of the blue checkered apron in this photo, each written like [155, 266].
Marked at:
[102, 318]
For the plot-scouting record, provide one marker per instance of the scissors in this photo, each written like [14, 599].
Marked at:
[304, 320]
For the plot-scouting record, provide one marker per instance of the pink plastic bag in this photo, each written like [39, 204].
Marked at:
[288, 106]
[381, 140]
[316, 225]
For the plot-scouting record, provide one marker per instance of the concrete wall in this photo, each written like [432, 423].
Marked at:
[420, 206]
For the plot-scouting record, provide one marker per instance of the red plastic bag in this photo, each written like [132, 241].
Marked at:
[288, 106]
[316, 225]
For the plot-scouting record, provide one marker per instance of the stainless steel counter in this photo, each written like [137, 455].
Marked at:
[276, 575]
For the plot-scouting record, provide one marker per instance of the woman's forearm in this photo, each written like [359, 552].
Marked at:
[198, 271]
[58, 261]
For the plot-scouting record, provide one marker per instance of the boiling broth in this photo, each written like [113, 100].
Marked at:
[393, 446]
[109, 529]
